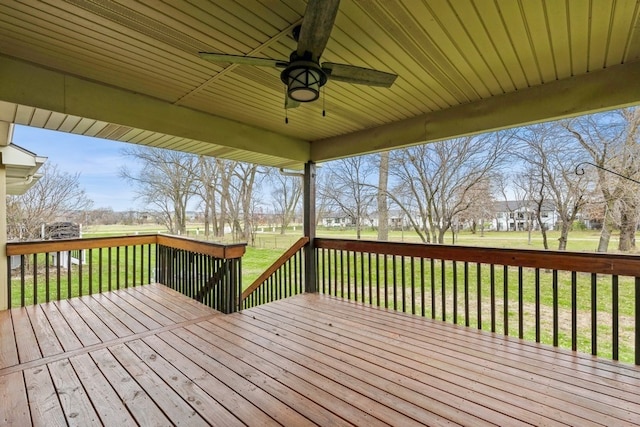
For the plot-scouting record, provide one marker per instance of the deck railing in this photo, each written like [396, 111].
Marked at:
[207, 272]
[284, 278]
[58, 269]
[46, 271]
[586, 302]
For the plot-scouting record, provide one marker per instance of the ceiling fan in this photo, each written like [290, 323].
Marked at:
[302, 74]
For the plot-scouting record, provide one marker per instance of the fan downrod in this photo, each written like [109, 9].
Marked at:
[295, 33]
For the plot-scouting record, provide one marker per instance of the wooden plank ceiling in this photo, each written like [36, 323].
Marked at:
[129, 71]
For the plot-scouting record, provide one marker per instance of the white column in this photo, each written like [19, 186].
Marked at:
[6, 133]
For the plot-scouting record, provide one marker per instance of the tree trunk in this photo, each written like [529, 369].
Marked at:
[206, 222]
[383, 208]
[564, 235]
[543, 230]
[607, 226]
[628, 225]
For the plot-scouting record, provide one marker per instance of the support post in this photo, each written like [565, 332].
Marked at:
[6, 131]
[310, 226]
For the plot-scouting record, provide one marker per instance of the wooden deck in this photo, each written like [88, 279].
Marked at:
[150, 356]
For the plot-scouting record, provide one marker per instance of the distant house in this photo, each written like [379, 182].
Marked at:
[515, 215]
[337, 220]
[396, 220]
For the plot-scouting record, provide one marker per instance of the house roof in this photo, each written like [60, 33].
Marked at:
[519, 205]
[130, 71]
[21, 167]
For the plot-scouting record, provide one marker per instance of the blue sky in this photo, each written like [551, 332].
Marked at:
[97, 160]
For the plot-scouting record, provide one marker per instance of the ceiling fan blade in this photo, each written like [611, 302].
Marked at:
[358, 75]
[316, 27]
[243, 60]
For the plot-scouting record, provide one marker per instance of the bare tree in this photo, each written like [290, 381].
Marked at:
[207, 186]
[54, 197]
[551, 158]
[286, 194]
[611, 139]
[350, 189]
[222, 186]
[504, 184]
[436, 179]
[242, 182]
[530, 198]
[166, 181]
[481, 206]
[324, 203]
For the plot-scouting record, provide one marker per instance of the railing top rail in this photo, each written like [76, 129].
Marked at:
[235, 250]
[588, 262]
[299, 244]
[218, 250]
[42, 246]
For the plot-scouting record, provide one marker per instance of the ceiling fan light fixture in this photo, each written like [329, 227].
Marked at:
[304, 80]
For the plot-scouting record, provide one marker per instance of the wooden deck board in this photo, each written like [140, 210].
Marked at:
[115, 324]
[109, 406]
[429, 400]
[129, 321]
[272, 387]
[61, 328]
[210, 409]
[144, 314]
[78, 324]
[141, 406]
[43, 400]
[47, 339]
[510, 359]
[175, 408]
[13, 398]
[75, 402]
[488, 381]
[197, 309]
[26, 341]
[150, 356]
[8, 346]
[159, 312]
[185, 311]
[175, 350]
[98, 327]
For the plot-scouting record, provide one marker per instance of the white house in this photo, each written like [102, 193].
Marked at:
[515, 215]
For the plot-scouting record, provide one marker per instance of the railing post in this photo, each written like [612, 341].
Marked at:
[310, 226]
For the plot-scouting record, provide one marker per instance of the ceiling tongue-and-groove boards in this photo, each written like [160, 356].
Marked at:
[130, 71]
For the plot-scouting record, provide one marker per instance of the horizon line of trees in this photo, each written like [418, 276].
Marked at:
[438, 186]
